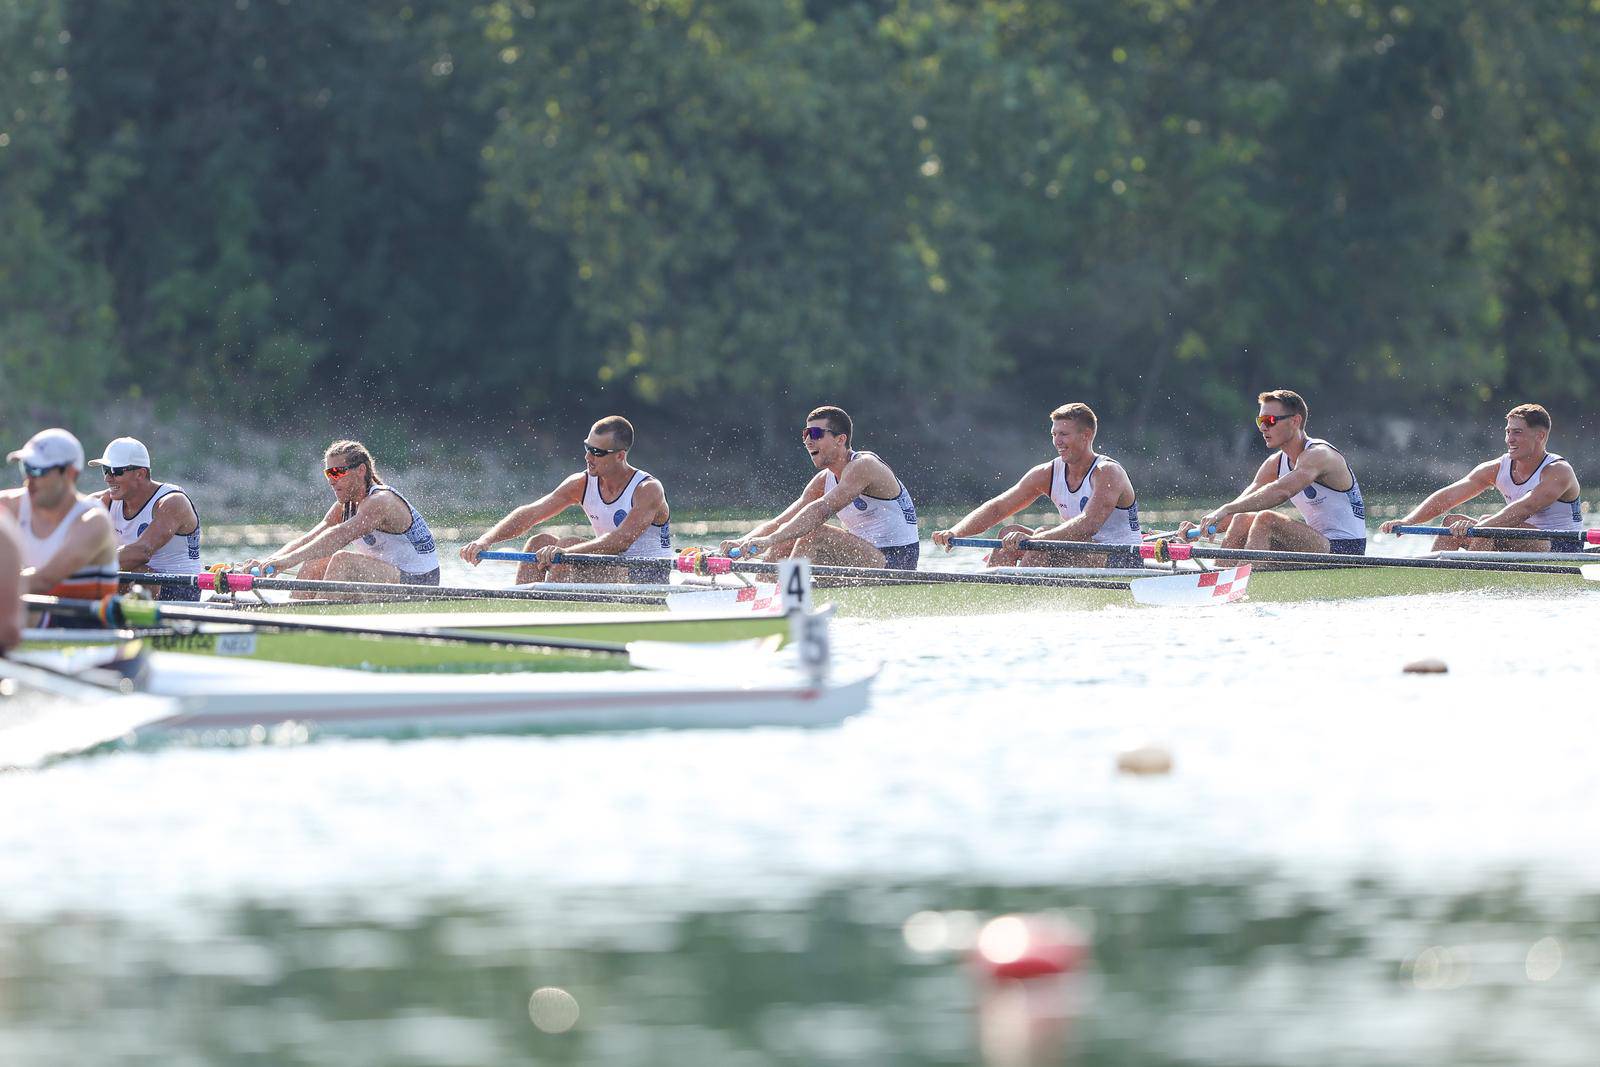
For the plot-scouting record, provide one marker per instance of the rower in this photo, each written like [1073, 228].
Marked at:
[878, 521]
[1305, 471]
[155, 523]
[68, 549]
[627, 509]
[1091, 493]
[10, 583]
[371, 532]
[1540, 488]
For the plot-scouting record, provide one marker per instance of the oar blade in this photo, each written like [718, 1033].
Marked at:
[1591, 571]
[1202, 589]
[757, 598]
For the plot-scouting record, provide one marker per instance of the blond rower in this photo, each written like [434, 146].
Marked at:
[1091, 493]
[371, 533]
[1540, 489]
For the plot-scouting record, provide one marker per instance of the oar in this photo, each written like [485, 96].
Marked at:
[1165, 551]
[1509, 533]
[233, 582]
[650, 565]
[709, 564]
[126, 611]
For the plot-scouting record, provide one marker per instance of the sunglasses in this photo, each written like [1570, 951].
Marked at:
[814, 433]
[340, 472]
[30, 471]
[1267, 422]
[117, 472]
[593, 451]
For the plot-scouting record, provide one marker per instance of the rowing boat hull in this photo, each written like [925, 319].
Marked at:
[913, 599]
[213, 696]
[553, 620]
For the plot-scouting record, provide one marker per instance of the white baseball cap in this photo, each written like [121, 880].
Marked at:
[124, 452]
[54, 447]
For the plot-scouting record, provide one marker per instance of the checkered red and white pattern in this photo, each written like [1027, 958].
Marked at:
[1204, 588]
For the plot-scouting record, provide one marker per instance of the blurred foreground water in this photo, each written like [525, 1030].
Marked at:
[1346, 865]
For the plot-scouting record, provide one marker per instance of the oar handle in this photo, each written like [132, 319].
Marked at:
[581, 558]
[1510, 533]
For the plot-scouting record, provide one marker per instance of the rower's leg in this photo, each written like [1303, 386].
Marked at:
[532, 572]
[1000, 557]
[833, 547]
[1236, 532]
[354, 567]
[1273, 532]
[1446, 543]
[311, 570]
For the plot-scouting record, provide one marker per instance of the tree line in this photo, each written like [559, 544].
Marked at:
[1152, 204]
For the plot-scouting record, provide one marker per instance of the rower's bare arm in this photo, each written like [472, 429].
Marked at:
[1557, 481]
[173, 512]
[1111, 485]
[857, 476]
[997, 509]
[370, 514]
[1478, 480]
[312, 534]
[1313, 462]
[811, 494]
[566, 495]
[649, 503]
[87, 541]
[10, 582]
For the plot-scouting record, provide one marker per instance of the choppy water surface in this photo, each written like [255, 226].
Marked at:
[1347, 865]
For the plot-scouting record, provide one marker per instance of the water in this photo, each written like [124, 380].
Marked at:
[1347, 865]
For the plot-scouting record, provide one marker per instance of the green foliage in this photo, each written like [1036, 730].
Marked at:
[56, 322]
[1157, 205]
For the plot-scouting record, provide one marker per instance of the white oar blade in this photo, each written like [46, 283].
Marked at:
[1591, 571]
[756, 599]
[714, 657]
[1193, 590]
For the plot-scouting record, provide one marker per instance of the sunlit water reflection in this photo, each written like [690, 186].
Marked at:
[1346, 865]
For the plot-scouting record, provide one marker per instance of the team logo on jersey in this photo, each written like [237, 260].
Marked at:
[369, 539]
[861, 505]
[1083, 502]
[143, 526]
[621, 514]
[1311, 492]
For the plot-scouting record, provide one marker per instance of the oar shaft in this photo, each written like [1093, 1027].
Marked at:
[586, 559]
[244, 583]
[1337, 559]
[145, 613]
[1507, 533]
[895, 576]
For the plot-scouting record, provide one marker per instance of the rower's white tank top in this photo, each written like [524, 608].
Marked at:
[86, 583]
[411, 553]
[1336, 515]
[881, 523]
[1562, 515]
[180, 555]
[1121, 526]
[606, 515]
